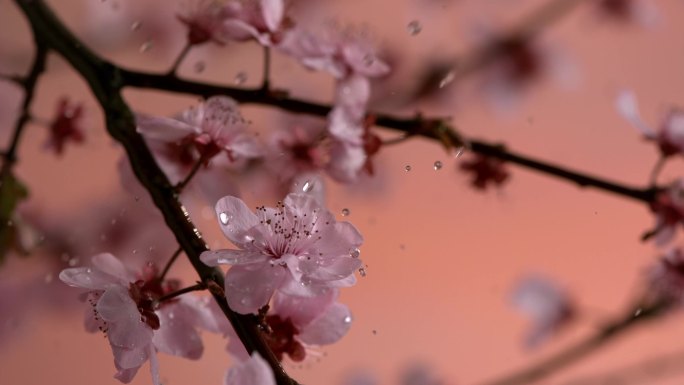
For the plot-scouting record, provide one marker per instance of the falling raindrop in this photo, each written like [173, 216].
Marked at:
[308, 186]
[223, 217]
[437, 165]
[450, 76]
[407, 168]
[362, 271]
[355, 252]
[240, 78]
[458, 151]
[345, 212]
[200, 66]
[146, 46]
[375, 331]
[414, 27]
[136, 25]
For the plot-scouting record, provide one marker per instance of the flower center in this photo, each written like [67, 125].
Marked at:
[281, 338]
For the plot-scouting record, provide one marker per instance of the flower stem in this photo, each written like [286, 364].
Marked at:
[265, 83]
[170, 263]
[181, 185]
[179, 59]
[657, 168]
[197, 287]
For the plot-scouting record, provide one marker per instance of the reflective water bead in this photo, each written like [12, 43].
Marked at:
[414, 27]
[438, 165]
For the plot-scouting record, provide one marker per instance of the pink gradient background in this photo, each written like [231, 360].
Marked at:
[441, 257]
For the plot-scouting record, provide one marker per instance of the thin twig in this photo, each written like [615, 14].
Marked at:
[179, 59]
[266, 80]
[198, 287]
[181, 185]
[657, 168]
[170, 263]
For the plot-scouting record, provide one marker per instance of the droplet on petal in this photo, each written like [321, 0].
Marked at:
[136, 25]
[362, 271]
[355, 252]
[240, 78]
[199, 66]
[450, 76]
[345, 212]
[438, 165]
[73, 262]
[414, 27]
[348, 319]
[146, 46]
[224, 218]
[308, 186]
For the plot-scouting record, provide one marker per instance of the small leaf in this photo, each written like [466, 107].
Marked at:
[12, 191]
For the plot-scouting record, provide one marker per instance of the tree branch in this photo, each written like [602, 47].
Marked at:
[105, 81]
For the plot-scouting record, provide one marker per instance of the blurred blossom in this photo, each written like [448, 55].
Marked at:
[670, 138]
[548, 305]
[296, 248]
[668, 208]
[666, 277]
[641, 12]
[485, 171]
[65, 126]
[419, 374]
[253, 371]
[125, 307]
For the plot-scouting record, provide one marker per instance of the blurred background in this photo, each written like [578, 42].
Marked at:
[442, 257]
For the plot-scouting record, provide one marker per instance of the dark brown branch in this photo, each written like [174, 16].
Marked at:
[105, 81]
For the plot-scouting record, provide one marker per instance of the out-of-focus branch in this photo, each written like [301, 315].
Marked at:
[572, 354]
[105, 81]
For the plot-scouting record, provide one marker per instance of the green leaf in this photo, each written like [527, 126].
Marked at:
[12, 191]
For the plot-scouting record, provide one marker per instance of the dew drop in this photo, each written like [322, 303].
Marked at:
[146, 46]
[448, 78]
[73, 262]
[437, 165]
[199, 66]
[223, 217]
[368, 60]
[136, 25]
[355, 252]
[345, 212]
[362, 271]
[407, 168]
[414, 27]
[308, 186]
[240, 78]
[348, 319]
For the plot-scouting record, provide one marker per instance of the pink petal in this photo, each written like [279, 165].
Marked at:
[254, 371]
[235, 219]
[302, 310]
[164, 129]
[272, 12]
[245, 145]
[130, 358]
[177, 335]
[346, 163]
[249, 287]
[112, 265]
[237, 30]
[329, 327]
[154, 366]
[673, 129]
[232, 257]
[626, 105]
[87, 278]
[363, 61]
[126, 375]
[125, 327]
[339, 269]
[352, 94]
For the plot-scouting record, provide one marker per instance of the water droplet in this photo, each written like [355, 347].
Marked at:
[224, 218]
[146, 46]
[437, 165]
[407, 168]
[450, 76]
[348, 319]
[355, 252]
[10, 223]
[49, 277]
[113, 222]
[73, 262]
[458, 151]
[414, 27]
[240, 78]
[375, 331]
[368, 60]
[362, 271]
[136, 25]
[200, 66]
[345, 212]
[638, 312]
[135, 251]
[308, 186]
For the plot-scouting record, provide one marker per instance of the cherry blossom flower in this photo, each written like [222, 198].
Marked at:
[666, 277]
[205, 22]
[629, 11]
[253, 371]
[485, 171]
[549, 307]
[261, 20]
[668, 207]
[65, 125]
[296, 248]
[204, 131]
[670, 138]
[125, 307]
